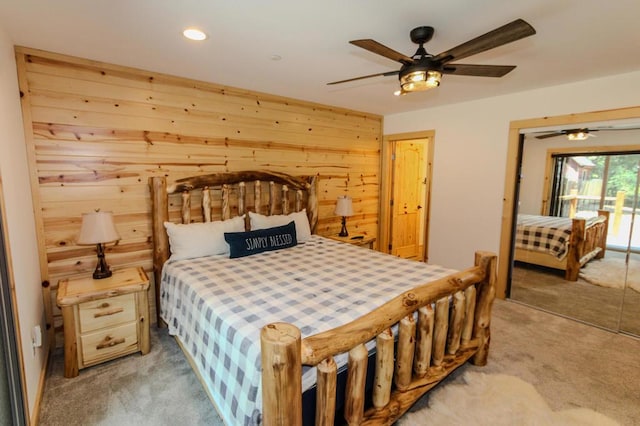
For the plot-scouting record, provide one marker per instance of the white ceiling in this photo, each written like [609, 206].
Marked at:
[575, 40]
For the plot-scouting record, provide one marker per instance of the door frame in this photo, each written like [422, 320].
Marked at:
[513, 155]
[386, 189]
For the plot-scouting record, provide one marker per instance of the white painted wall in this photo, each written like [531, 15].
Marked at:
[470, 156]
[534, 157]
[20, 224]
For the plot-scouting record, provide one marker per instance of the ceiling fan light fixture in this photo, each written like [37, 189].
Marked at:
[419, 80]
[579, 135]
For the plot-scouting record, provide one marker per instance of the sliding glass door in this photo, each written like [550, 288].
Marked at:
[583, 184]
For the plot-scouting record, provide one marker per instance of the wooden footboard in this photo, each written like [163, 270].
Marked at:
[587, 242]
[453, 317]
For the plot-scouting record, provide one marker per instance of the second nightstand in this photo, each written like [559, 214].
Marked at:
[103, 319]
[355, 239]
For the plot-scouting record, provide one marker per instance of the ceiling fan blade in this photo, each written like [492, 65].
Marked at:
[506, 34]
[615, 128]
[478, 70]
[550, 135]
[381, 49]
[385, 74]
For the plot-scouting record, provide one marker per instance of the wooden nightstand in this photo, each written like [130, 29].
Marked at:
[104, 319]
[359, 240]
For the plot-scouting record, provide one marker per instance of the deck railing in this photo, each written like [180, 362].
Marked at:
[620, 214]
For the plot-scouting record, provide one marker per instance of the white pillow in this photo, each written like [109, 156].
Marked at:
[201, 239]
[303, 230]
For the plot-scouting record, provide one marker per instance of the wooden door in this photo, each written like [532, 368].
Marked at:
[408, 198]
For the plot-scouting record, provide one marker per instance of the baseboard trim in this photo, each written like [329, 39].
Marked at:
[35, 414]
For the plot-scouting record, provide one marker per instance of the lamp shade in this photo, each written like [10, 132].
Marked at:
[344, 206]
[97, 227]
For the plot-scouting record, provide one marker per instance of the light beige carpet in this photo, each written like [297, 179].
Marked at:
[597, 370]
[496, 400]
[611, 272]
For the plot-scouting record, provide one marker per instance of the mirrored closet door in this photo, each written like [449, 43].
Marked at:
[591, 173]
[12, 408]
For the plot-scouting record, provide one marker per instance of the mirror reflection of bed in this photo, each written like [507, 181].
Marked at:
[576, 178]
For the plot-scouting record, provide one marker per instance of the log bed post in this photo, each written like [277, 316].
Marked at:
[280, 345]
[576, 242]
[486, 293]
[326, 392]
[312, 203]
[440, 329]
[354, 390]
[384, 369]
[272, 198]
[241, 198]
[226, 210]
[602, 241]
[424, 341]
[160, 207]
[405, 352]
[257, 197]
[206, 204]
[186, 207]
[285, 199]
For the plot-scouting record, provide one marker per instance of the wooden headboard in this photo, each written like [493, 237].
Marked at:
[221, 196]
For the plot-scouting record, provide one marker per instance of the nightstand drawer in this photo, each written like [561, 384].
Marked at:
[105, 344]
[108, 312]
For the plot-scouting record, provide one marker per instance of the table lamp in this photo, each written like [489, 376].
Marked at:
[344, 208]
[98, 228]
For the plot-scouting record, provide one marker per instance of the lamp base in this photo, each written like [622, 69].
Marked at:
[343, 231]
[98, 275]
[102, 269]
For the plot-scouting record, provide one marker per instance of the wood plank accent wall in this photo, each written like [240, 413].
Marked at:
[101, 130]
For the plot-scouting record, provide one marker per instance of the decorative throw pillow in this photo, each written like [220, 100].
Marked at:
[261, 240]
[201, 239]
[303, 230]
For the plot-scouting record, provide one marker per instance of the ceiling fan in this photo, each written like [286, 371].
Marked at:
[581, 134]
[424, 71]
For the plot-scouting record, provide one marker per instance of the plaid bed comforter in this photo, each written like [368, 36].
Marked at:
[216, 306]
[547, 234]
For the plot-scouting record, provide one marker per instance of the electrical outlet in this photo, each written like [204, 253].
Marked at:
[36, 337]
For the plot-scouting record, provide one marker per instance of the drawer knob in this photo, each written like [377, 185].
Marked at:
[109, 342]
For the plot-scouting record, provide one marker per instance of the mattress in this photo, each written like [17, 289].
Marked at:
[548, 234]
[216, 307]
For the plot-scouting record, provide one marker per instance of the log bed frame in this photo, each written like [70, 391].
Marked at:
[586, 242]
[452, 326]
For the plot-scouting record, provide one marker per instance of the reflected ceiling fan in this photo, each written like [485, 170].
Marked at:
[424, 71]
[581, 134]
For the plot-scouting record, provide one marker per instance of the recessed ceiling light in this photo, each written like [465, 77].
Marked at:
[194, 34]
